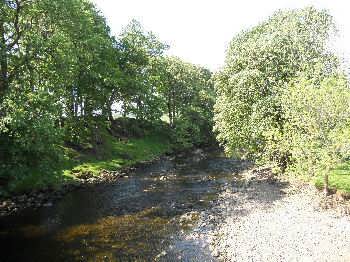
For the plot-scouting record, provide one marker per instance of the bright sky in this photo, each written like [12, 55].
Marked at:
[199, 30]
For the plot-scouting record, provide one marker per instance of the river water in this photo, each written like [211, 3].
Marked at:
[146, 216]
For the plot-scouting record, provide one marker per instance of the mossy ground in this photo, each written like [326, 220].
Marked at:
[113, 155]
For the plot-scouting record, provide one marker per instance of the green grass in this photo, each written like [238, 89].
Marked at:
[339, 178]
[119, 154]
[112, 155]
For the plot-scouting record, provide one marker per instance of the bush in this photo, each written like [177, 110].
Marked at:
[192, 129]
[184, 133]
[28, 135]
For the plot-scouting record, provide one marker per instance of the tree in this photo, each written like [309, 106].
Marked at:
[260, 63]
[140, 51]
[188, 96]
[62, 74]
[316, 130]
[55, 66]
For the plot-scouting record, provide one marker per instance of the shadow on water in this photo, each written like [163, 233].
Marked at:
[136, 218]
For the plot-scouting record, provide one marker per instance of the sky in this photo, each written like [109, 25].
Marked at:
[199, 31]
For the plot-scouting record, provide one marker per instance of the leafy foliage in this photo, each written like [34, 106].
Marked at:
[316, 130]
[259, 65]
[188, 96]
[64, 79]
[281, 97]
[28, 136]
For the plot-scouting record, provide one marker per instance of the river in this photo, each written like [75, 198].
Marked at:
[146, 216]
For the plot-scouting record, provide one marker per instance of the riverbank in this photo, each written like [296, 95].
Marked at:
[194, 206]
[135, 218]
[266, 219]
[80, 169]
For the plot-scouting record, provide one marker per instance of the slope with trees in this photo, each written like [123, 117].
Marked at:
[69, 90]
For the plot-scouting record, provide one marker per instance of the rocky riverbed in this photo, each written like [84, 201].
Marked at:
[190, 207]
[265, 219]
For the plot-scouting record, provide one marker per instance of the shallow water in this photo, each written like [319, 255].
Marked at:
[138, 218]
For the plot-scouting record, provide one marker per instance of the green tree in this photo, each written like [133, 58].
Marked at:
[140, 51]
[62, 76]
[56, 59]
[317, 130]
[260, 62]
[188, 96]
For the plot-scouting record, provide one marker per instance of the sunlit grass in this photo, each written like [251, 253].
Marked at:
[112, 155]
[118, 154]
[339, 178]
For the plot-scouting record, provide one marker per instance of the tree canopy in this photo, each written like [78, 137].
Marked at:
[259, 65]
[65, 81]
[65, 77]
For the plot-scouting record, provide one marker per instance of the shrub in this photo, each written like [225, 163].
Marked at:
[28, 135]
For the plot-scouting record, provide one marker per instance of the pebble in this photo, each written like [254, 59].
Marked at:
[272, 222]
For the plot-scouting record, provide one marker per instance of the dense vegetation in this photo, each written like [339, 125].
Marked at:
[282, 98]
[74, 98]
[68, 88]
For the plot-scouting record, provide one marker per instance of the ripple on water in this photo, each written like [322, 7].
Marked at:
[148, 215]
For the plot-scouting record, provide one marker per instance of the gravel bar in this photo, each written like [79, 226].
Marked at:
[269, 220]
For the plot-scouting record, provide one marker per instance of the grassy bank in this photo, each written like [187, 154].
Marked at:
[339, 178]
[113, 155]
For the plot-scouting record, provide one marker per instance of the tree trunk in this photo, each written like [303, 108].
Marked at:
[139, 112]
[110, 103]
[3, 62]
[70, 101]
[173, 106]
[124, 109]
[75, 108]
[326, 184]
[171, 122]
[110, 111]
